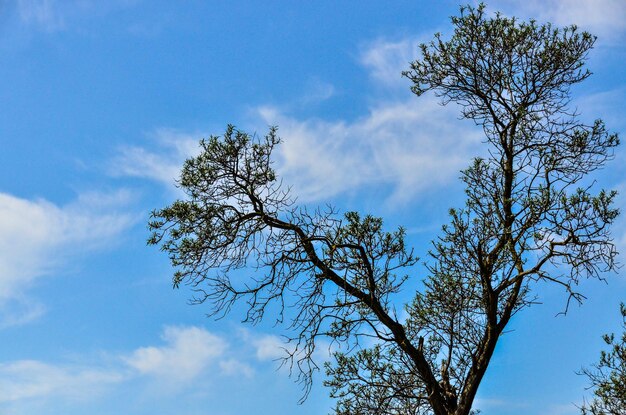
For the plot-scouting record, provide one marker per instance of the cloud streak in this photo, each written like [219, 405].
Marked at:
[604, 18]
[162, 162]
[37, 237]
[187, 353]
[57, 15]
[404, 144]
[386, 59]
[26, 380]
[41, 13]
[407, 146]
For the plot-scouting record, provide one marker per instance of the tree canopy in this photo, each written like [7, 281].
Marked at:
[531, 216]
[608, 376]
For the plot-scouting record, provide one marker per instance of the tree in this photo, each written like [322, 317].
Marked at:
[530, 217]
[608, 377]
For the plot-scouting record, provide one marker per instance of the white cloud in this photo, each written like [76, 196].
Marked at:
[268, 347]
[161, 163]
[188, 352]
[317, 91]
[42, 13]
[55, 15]
[26, 380]
[408, 146]
[608, 105]
[604, 18]
[37, 237]
[234, 367]
[405, 144]
[489, 403]
[386, 59]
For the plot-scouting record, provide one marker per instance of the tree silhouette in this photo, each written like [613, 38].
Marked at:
[530, 217]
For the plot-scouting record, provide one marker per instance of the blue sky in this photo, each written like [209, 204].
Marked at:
[101, 101]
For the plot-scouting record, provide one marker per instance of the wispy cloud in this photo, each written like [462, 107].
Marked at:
[407, 146]
[56, 15]
[41, 13]
[604, 18]
[235, 367]
[29, 379]
[497, 404]
[268, 346]
[607, 105]
[563, 409]
[37, 237]
[187, 354]
[386, 59]
[403, 144]
[317, 91]
[162, 162]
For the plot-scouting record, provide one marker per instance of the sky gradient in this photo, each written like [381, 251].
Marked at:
[102, 101]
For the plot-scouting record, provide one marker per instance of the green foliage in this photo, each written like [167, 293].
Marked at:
[237, 216]
[608, 378]
[528, 218]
